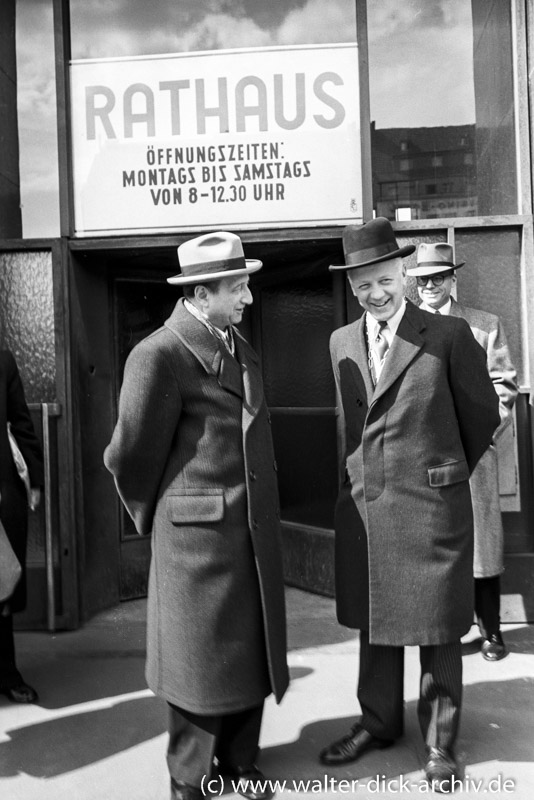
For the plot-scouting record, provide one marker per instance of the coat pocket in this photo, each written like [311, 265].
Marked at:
[205, 506]
[448, 473]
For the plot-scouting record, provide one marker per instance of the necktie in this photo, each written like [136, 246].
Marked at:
[380, 345]
[437, 311]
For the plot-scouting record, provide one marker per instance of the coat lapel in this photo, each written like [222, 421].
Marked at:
[404, 348]
[206, 348]
[356, 350]
[253, 397]
[456, 309]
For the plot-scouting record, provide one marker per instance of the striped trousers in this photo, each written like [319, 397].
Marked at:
[381, 691]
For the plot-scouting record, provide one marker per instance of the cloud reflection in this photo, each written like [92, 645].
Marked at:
[421, 60]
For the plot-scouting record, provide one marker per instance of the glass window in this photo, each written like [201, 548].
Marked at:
[27, 320]
[166, 26]
[441, 81]
[37, 121]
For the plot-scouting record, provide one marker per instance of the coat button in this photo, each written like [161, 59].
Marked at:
[275, 466]
[255, 525]
[252, 475]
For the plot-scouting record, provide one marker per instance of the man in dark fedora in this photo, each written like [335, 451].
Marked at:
[193, 462]
[416, 411]
[435, 274]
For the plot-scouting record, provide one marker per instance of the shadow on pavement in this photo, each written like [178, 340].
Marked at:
[496, 726]
[64, 744]
[517, 640]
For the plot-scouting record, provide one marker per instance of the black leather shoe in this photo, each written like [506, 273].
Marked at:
[440, 769]
[184, 791]
[21, 693]
[493, 649]
[351, 747]
[248, 781]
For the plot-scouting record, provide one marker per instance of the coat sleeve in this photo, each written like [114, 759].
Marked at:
[475, 399]
[22, 428]
[340, 416]
[149, 410]
[502, 373]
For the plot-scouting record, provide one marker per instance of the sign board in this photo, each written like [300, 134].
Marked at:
[223, 139]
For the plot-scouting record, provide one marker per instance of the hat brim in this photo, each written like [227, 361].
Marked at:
[415, 272]
[400, 253]
[253, 265]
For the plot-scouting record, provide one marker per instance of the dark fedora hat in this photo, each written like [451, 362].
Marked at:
[370, 243]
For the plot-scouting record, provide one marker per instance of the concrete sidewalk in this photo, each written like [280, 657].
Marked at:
[99, 734]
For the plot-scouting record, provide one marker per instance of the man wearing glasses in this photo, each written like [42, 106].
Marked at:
[435, 274]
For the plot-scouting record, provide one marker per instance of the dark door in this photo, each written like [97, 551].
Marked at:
[140, 306]
[289, 325]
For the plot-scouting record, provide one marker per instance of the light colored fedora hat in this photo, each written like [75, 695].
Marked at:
[370, 243]
[434, 258]
[213, 256]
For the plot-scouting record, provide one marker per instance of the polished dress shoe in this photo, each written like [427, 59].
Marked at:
[248, 781]
[440, 769]
[184, 791]
[21, 693]
[493, 649]
[351, 747]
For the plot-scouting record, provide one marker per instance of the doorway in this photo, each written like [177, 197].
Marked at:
[289, 325]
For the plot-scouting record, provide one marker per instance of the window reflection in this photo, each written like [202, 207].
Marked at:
[135, 27]
[36, 115]
[441, 89]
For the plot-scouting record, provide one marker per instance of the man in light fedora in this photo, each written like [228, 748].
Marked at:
[193, 461]
[435, 274]
[416, 411]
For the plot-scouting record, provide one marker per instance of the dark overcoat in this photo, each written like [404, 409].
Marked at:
[193, 462]
[404, 526]
[489, 535]
[13, 498]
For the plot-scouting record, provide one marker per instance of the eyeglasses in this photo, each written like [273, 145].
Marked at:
[437, 280]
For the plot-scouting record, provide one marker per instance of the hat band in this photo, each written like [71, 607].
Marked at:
[223, 265]
[436, 264]
[372, 252]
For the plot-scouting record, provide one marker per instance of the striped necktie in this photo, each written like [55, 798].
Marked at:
[380, 344]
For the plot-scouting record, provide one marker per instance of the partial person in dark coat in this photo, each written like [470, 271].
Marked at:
[193, 461]
[14, 503]
[436, 275]
[416, 411]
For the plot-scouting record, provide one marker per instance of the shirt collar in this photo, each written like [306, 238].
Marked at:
[226, 336]
[393, 322]
[446, 309]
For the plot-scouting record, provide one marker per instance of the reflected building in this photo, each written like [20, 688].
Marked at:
[420, 173]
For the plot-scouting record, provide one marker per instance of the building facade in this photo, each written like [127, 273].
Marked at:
[283, 124]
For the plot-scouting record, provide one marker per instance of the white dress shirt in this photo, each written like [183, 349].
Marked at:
[389, 331]
[446, 309]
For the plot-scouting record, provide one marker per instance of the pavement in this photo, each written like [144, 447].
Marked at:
[99, 734]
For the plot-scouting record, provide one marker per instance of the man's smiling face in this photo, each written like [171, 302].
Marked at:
[379, 288]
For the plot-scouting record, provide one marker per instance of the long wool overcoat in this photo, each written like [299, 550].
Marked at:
[193, 462]
[13, 499]
[489, 535]
[404, 525]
